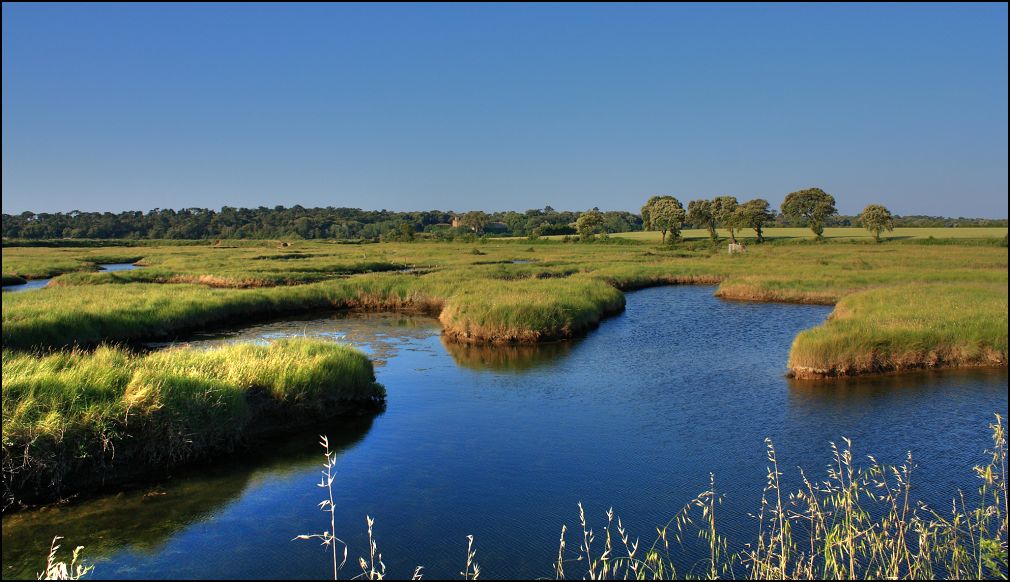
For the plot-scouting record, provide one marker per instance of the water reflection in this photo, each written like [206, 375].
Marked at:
[29, 286]
[852, 390]
[507, 358]
[380, 335]
[40, 283]
[111, 267]
[141, 521]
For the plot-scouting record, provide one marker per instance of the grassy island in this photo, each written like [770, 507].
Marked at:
[73, 420]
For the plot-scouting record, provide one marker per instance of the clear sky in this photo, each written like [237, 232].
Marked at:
[115, 107]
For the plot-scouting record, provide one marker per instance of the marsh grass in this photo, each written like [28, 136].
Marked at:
[565, 293]
[898, 328]
[75, 419]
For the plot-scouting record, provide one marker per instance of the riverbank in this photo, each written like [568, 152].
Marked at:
[75, 421]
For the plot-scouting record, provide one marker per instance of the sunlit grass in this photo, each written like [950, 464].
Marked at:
[514, 291]
[73, 418]
[908, 327]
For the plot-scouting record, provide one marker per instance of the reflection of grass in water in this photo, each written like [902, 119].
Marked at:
[507, 358]
[851, 389]
[143, 520]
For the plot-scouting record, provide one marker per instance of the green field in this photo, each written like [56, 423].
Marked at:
[518, 291]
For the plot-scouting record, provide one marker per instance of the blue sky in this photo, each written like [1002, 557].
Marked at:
[114, 107]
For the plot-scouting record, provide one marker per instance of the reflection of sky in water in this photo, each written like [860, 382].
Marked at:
[111, 267]
[30, 285]
[502, 442]
[380, 335]
[40, 283]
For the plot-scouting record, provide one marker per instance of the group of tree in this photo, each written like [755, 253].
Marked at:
[667, 215]
[812, 208]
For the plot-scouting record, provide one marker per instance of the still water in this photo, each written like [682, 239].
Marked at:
[502, 443]
[40, 283]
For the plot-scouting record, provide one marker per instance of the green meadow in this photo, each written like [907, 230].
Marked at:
[902, 304]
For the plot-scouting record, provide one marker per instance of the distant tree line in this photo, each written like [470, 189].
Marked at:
[807, 208]
[300, 222]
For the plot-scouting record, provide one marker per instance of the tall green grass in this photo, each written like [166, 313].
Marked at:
[75, 419]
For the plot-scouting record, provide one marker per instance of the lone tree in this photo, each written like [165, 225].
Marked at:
[724, 209]
[812, 206]
[589, 223]
[700, 213]
[754, 214]
[876, 218]
[665, 214]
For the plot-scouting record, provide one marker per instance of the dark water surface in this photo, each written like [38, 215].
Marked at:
[502, 443]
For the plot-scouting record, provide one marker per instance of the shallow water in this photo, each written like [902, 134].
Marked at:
[40, 283]
[29, 286]
[503, 442]
[118, 267]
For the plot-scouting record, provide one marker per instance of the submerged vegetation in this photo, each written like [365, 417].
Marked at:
[76, 419]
